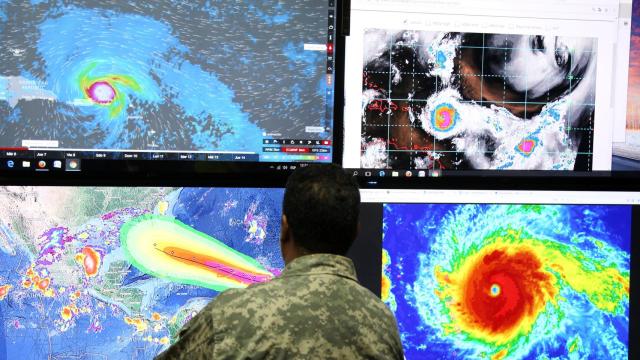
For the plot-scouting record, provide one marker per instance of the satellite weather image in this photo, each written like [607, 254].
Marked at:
[114, 273]
[162, 75]
[509, 281]
[441, 100]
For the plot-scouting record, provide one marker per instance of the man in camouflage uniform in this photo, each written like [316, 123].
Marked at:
[316, 309]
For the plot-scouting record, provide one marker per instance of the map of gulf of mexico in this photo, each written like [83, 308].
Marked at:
[100, 273]
[161, 75]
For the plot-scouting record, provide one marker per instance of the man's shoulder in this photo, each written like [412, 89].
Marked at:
[241, 300]
[342, 292]
[368, 305]
[327, 313]
[248, 293]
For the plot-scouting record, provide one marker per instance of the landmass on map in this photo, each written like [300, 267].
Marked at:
[15, 88]
[93, 271]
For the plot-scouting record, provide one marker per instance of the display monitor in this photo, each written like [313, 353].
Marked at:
[114, 273]
[232, 81]
[491, 85]
[509, 274]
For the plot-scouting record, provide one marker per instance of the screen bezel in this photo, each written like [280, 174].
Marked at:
[493, 173]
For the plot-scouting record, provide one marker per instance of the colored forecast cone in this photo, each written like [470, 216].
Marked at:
[167, 248]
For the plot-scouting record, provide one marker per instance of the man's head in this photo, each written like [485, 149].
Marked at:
[320, 212]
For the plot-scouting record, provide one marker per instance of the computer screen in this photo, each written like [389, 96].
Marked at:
[491, 85]
[115, 272]
[509, 274]
[110, 272]
[232, 81]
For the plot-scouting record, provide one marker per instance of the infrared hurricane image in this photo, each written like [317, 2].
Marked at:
[162, 75]
[508, 281]
[114, 273]
[456, 101]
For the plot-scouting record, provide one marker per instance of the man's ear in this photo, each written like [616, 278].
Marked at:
[286, 246]
[284, 230]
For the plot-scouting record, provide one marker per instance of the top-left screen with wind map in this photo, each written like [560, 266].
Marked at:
[211, 80]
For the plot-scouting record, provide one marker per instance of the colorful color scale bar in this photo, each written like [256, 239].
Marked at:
[295, 157]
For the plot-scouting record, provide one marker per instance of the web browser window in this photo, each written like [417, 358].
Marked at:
[622, 69]
[490, 85]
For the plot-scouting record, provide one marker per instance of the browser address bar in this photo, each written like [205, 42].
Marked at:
[600, 10]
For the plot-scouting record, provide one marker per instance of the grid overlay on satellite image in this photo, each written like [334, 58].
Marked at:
[406, 88]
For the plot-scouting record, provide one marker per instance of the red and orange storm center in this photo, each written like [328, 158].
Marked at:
[4, 291]
[90, 261]
[101, 92]
[499, 293]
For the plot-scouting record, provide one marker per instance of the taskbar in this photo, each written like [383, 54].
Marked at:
[496, 179]
[438, 173]
[175, 173]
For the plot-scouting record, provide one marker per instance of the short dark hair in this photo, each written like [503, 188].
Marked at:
[322, 206]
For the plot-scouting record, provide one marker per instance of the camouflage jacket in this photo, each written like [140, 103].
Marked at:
[315, 310]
